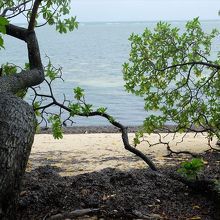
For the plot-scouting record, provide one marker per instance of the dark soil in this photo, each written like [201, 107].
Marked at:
[115, 194]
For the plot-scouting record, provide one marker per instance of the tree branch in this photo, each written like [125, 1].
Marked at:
[191, 63]
[122, 128]
[13, 9]
[34, 15]
[16, 32]
[24, 79]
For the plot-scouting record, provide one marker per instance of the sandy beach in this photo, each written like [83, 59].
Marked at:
[82, 153]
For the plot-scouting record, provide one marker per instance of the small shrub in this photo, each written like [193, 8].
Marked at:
[190, 169]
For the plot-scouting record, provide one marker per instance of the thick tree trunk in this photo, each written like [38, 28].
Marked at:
[17, 118]
[17, 129]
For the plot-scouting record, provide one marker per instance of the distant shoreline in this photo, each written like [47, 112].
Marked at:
[94, 129]
[90, 129]
[141, 21]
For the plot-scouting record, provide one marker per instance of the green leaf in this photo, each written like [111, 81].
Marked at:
[75, 109]
[1, 42]
[36, 105]
[79, 93]
[8, 69]
[3, 23]
[102, 110]
[55, 120]
[86, 109]
[50, 71]
[191, 169]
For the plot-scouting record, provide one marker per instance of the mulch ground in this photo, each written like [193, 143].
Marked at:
[115, 194]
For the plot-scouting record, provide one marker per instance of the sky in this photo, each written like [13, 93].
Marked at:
[144, 10]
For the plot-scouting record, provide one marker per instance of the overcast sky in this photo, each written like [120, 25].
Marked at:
[144, 10]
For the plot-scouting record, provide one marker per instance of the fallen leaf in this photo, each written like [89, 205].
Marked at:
[195, 218]
[23, 193]
[196, 207]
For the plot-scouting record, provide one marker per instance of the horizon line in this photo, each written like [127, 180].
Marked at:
[137, 21]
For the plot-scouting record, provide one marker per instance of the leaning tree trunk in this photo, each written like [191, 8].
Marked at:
[17, 119]
[17, 129]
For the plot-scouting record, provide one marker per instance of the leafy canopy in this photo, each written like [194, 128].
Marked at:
[51, 12]
[172, 72]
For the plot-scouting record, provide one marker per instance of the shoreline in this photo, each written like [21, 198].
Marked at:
[94, 129]
[91, 129]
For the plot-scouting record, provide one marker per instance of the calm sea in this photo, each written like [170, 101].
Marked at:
[92, 58]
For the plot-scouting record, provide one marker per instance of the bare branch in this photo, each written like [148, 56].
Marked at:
[14, 9]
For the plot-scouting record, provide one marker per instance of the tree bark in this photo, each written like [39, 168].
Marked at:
[17, 129]
[17, 119]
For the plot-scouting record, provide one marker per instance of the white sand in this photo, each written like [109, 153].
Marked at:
[80, 153]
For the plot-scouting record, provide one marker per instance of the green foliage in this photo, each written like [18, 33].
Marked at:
[75, 109]
[86, 109]
[102, 110]
[51, 72]
[54, 16]
[66, 25]
[166, 67]
[36, 105]
[54, 12]
[55, 120]
[8, 69]
[191, 169]
[81, 107]
[79, 93]
[3, 23]
[138, 136]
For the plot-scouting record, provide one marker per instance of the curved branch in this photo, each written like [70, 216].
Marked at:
[211, 65]
[24, 79]
[124, 138]
[34, 52]
[113, 122]
[21, 80]
[16, 32]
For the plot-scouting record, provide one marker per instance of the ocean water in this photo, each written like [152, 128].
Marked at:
[92, 57]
